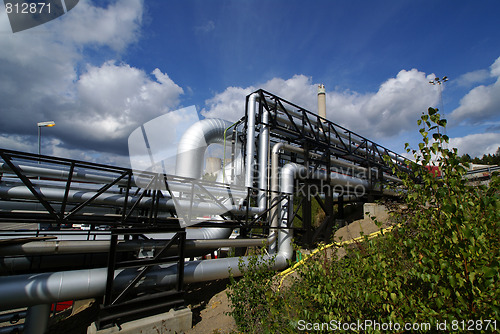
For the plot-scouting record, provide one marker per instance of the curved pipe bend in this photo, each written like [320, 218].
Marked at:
[193, 144]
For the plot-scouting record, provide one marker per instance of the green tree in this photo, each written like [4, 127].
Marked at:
[441, 262]
[455, 251]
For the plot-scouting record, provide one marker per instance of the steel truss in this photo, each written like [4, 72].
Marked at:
[126, 304]
[67, 211]
[138, 207]
[328, 147]
[326, 140]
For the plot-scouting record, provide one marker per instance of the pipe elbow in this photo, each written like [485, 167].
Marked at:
[194, 143]
[288, 174]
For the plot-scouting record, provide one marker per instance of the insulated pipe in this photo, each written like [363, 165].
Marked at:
[78, 174]
[250, 145]
[275, 205]
[292, 170]
[191, 150]
[333, 139]
[102, 246]
[191, 234]
[37, 319]
[87, 177]
[68, 256]
[338, 179]
[263, 159]
[22, 192]
[338, 162]
[193, 144]
[68, 253]
[45, 288]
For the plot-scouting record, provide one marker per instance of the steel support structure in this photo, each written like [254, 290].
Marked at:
[328, 147]
[127, 304]
[296, 125]
[66, 211]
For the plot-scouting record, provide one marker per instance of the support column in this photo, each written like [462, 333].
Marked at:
[340, 210]
[329, 215]
[37, 319]
[306, 218]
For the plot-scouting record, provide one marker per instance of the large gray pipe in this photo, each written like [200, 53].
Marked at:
[250, 145]
[263, 160]
[78, 174]
[22, 192]
[34, 289]
[194, 143]
[102, 246]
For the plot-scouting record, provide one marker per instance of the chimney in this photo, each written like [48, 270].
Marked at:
[321, 101]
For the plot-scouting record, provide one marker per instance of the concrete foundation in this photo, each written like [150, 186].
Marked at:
[174, 321]
[374, 210]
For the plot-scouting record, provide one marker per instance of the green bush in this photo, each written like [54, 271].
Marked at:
[441, 264]
[254, 304]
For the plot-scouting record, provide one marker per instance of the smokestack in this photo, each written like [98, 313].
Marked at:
[321, 101]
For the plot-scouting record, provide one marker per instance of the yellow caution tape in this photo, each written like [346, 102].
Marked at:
[292, 269]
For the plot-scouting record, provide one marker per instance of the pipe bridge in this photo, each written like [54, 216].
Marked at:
[146, 234]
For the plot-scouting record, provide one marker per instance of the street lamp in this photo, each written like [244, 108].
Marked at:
[41, 125]
[439, 82]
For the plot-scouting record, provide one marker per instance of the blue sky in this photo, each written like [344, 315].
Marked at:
[106, 67]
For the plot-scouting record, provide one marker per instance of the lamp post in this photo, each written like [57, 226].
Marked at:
[41, 125]
[439, 82]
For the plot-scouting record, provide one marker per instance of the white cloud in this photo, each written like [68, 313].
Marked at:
[228, 105]
[476, 144]
[495, 68]
[115, 26]
[45, 75]
[394, 107]
[473, 77]
[482, 102]
[114, 99]
[391, 110]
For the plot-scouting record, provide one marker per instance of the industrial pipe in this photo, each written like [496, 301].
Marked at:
[193, 144]
[250, 145]
[22, 192]
[45, 288]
